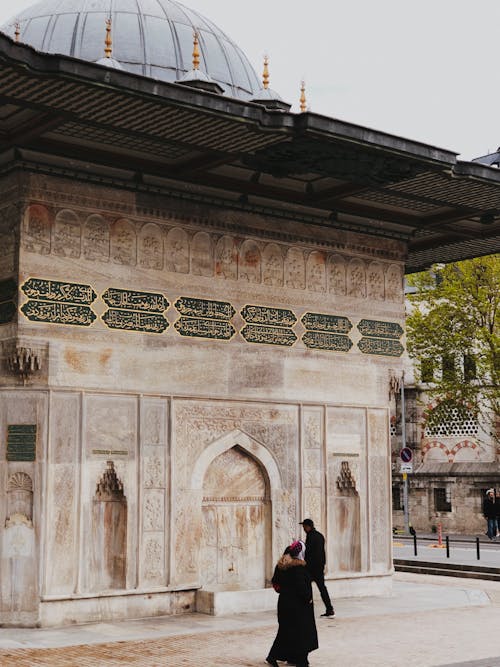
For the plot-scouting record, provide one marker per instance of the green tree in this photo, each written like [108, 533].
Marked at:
[453, 335]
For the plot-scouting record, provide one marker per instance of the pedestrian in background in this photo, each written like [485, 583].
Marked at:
[297, 635]
[316, 560]
[491, 508]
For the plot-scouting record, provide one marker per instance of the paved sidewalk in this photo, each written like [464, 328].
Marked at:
[427, 622]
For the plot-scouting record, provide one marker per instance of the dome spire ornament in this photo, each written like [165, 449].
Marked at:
[265, 73]
[108, 60]
[196, 51]
[196, 78]
[108, 48]
[17, 31]
[267, 96]
[303, 99]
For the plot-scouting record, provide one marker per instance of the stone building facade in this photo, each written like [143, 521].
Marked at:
[201, 315]
[206, 381]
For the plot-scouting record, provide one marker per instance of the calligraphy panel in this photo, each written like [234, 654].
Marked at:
[67, 234]
[151, 247]
[196, 327]
[381, 347]
[177, 251]
[129, 320]
[56, 290]
[37, 229]
[58, 313]
[265, 335]
[96, 239]
[323, 322]
[269, 316]
[322, 340]
[380, 329]
[217, 310]
[131, 300]
[249, 267]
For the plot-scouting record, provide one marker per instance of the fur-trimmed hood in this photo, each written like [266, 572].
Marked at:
[286, 562]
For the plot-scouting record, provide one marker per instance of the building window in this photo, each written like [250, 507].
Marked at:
[427, 370]
[449, 419]
[442, 500]
[470, 371]
[448, 367]
[397, 498]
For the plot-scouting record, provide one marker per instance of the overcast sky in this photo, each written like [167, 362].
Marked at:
[427, 70]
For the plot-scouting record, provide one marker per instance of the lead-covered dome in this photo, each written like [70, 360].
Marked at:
[153, 38]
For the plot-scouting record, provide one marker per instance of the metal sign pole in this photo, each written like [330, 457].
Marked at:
[403, 444]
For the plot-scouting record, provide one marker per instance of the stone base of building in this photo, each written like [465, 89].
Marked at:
[224, 603]
[127, 606]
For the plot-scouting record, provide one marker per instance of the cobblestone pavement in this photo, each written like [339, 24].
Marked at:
[464, 635]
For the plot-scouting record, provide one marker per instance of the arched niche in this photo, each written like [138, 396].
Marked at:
[67, 234]
[239, 516]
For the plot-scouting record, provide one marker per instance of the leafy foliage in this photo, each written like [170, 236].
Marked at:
[453, 334]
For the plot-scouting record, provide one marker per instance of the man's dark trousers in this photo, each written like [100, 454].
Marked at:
[319, 579]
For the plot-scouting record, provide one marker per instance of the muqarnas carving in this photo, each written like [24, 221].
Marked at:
[346, 483]
[109, 532]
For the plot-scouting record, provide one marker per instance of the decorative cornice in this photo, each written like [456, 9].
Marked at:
[215, 201]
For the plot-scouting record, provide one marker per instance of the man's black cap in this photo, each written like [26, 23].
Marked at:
[306, 522]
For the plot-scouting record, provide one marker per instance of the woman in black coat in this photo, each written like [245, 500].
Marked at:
[297, 634]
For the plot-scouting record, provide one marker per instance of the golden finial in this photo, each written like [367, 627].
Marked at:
[303, 101]
[108, 49]
[265, 74]
[196, 51]
[17, 31]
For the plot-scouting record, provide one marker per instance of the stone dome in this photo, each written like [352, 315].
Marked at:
[153, 38]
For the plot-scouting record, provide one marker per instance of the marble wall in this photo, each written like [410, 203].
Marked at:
[186, 350]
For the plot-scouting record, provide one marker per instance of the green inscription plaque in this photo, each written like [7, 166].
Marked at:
[380, 329]
[58, 313]
[323, 322]
[254, 333]
[128, 320]
[276, 317]
[149, 302]
[8, 289]
[55, 290]
[21, 442]
[214, 310]
[196, 327]
[322, 340]
[7, 312]
[381, 347]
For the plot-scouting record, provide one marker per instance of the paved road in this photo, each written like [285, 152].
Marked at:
[427, 622]
[460, 552]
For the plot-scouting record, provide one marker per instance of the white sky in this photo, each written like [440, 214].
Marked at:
[422, 69]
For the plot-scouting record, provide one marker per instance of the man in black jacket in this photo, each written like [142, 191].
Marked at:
[315, 561]
[491, 508]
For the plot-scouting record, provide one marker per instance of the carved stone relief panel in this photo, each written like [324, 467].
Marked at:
[96, 239]
[202, 258]
[249, 266]
[316, 272]
[67, 234]
[37, 229]
[295, 269]
[356, 279]
[394, 283]
[380, 519]
[226, 258]
[20, 496]
[153, 559]
[177, 251]
[378, 433]
[337, 275]
[153, 516]
[61, 530]
[123, 243]
[150, 247]
[345, 513]
[312, 464]
[272, 265]
[153, 422]
[375, 282]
